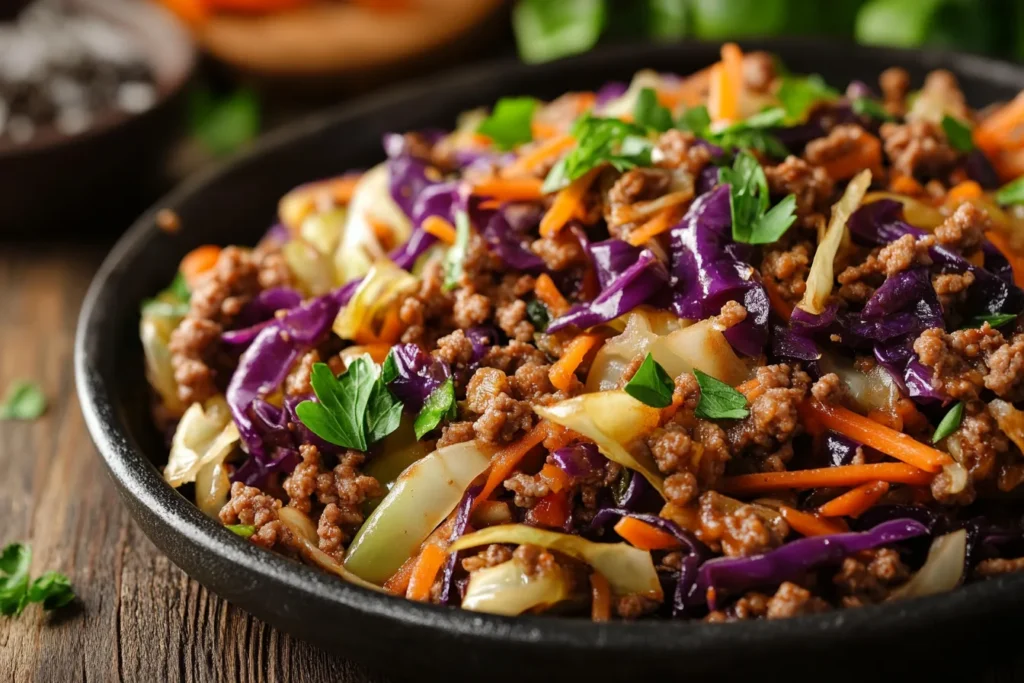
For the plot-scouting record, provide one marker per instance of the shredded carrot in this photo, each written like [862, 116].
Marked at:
[864, 152]
[726, 85]
[398, 583]
[510, 189]
[567, 202]
[564, 369]
[424, 572]
[544, 153]
[662, 221]
[751, 389]
[491, 204]
[440, 228]
[807, 524]
[551, 511]
[843, 476]
[505, 461]
[344, 187]
[192, 12]
[1002, 243]
[548, 293]
[644, 536]
[1009, 163]
[198, 261]
[542, 130]
[782, 308]
[886, 418]
[601, 592]
[856, 501]
[554, 476]
[881, 438]
[1003, 129]
[960, 193]
[381, 230]
[904, 184]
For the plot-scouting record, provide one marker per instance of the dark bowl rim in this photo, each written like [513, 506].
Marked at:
[138, 479]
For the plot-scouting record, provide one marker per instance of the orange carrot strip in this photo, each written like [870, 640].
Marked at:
[398, 583]
[556, 478]
[510, 189]
[601, 592]
[505, 461]
[198, 261]
[846, 475]
[541, 130]
[867, 153]
[344, 187]
[726, 85]
[549, 295]
[961, 192]
[1000, 242]
[904, 184]
[422, 578]
[881, 438]
[567, 202]
[662, 221]
[192, 12]
[782, 308]
[644, 536]
[856, 501]
[490, 204]
[751, 389]
[551, 511]
[542, 154]
[440, 228]
[564, 369]
[1003, 129]
[807, 524]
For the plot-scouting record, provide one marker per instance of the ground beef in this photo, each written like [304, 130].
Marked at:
[964, 361]
[491, 556]
[471, 309]
[635, 185]
[250, 506]
[788, 269]
[811, 186]
[735, 529]
[345, 486]
[456, 432]
[918, 148]
[192, 344]
[528, 488]
[951, 288]
[830, 389]
[501, 417]
[535, 560]
[454, 349]
[560, 251]
[1006, 370]
[512, 320]
[513, 356]
[869, 576]
[857, 282]
[732, 314]
[532, 382]
[759, 71]
[895, 84]
[840, 142]
[941, 85]
[981, 442]
[903, 254]
[220, 294]
[273, 269]
[331, 530]
[997, 567]
[753, 605]
[678, 150]
[301, 484]
[681, 488]
[689, 446]
[424, 312]
[631, 607]
[773, 420]
[790, 600]
[298, 381]
[964, 231]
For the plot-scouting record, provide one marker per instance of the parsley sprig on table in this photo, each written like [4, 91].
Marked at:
[52, 589]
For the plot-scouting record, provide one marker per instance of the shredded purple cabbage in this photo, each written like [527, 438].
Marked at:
[419, 374]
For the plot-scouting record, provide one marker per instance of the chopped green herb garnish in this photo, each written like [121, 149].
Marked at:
[52, 589]
[754, 133]
[224, 124]
[354, 410]
[243, 530]
[651, 384]
[439, 406]
[718, 401]
[509, 122]
[389, 368]
[172, 302]
[600, 141]
[24, 401]
[649, 112]
[950, 423]
[866, 106]
[958, 134]
[695, 120]
[752, 221]
[538, 314]
[1011, 193]
[994, 319]
[457, 252]
[798, 95]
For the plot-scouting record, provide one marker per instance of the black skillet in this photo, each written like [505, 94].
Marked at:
[236, 203]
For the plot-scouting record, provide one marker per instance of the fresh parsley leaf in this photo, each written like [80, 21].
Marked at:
[866, 106]
[52, 589]
[24, 401]
[695, 120]
[718, 401]
[950, 423]
[243, 530]
[799, 94]
[958, 134]
[352, 412]
[457, 252]
[179, 288]
[651, 384]
[754, 133]
[389, 369]
[538, 314]
[440, 405]
[547, 30]
[223, 124]
[600, 141]
[649, 112]
[509, 122]
[1011, 193]
[994, 319]
[752, 222]
[172, 302]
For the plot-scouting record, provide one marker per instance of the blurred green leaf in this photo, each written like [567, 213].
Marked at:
[549, 29]
[722, 19]
[224, 124]
[667, 19]
[896, 22]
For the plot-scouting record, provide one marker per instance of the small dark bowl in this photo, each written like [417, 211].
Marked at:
[64, 184]
[236, 203]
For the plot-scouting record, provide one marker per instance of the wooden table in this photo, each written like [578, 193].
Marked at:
[138, 617]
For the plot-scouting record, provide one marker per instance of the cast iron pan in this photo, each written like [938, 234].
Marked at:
[236, 203]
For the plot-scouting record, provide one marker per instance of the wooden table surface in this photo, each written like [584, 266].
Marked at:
[138, 617]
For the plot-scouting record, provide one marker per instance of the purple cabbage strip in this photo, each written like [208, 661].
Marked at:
[980, 170]
[264, 305]
[709, 269]
[736, 574]
[458, 529]
[840, 448]
[511, 246]
[580, 460]
[419, 374]
[610, 91]
[610, 258]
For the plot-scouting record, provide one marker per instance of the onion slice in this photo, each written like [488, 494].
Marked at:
[942, 571]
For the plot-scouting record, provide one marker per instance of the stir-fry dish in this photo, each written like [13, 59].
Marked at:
[735, 345]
